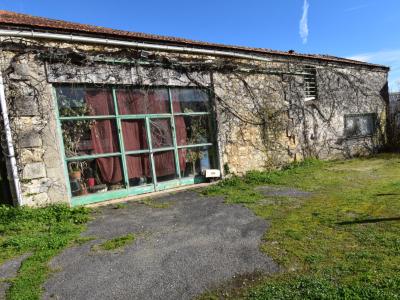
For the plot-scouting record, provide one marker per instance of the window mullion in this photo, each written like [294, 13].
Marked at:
[153, 167]
[195, 145]
[134, 117]
[176, 153]
[92, 156]
[192, 113]
[121, 140]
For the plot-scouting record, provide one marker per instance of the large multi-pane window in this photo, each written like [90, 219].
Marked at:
[126, 138]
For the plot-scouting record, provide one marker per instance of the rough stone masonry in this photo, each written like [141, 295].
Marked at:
[262, 117]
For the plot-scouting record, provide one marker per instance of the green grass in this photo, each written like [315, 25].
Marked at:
[343, 242]
[155, 204]
[116, 243]
[42, 232]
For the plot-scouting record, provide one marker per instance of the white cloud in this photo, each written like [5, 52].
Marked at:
[383, 56]
[304, 22]
[354, 8]
[390, 58]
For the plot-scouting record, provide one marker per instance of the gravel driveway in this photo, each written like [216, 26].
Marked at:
[181, 250]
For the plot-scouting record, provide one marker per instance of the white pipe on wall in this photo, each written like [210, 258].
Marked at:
[114, 42]
[10, 146]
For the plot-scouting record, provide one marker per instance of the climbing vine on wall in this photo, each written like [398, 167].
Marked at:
[267, 98]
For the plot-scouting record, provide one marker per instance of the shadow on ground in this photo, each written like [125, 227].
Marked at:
[370, 220]
[181, 250]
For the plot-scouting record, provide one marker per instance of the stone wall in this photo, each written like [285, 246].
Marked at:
[33, 124]
[352, 91]
[243, 139]
[394, 121]
[262, 118]
[310, 128]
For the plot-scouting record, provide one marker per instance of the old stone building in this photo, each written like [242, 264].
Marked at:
[394, 120]
[92, 114]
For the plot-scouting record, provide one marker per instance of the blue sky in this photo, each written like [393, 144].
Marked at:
[361, 29]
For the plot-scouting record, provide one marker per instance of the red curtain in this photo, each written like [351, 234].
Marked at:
[104, 135]
[134, 132]
[181, 133]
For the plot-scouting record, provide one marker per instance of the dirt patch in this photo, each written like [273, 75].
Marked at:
[234, 288]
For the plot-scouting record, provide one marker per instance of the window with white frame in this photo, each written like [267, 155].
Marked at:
[310, 82]
[359, 125]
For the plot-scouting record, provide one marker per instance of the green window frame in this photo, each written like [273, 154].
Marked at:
[119, 118]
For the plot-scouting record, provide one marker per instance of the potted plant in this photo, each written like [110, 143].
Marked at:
[192, 156]
[74, 171]
[197, 135]
[76, 168]
[75, 131]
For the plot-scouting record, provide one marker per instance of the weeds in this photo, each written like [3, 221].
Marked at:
[155, 204]
[44, 232]
[116, 243]
[341, 242]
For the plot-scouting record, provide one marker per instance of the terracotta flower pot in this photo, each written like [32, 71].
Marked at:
[75, 175]
[84, 191]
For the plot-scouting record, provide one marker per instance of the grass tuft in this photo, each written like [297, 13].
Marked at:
[117, 243]
[155, 204]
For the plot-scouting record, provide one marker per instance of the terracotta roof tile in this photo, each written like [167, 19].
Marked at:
[13, 19]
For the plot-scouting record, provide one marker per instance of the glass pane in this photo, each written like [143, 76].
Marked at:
[134, 134]
[362, 125]
[193, 161]
[95, 175]
[80, 101]
[142, 101]
[139, 171]
[164, 164]
[190, 100]
[85, 137]
[161, 135]
[191, 130]
[366, 125]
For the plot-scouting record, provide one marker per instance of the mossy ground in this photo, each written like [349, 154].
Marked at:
[343, 241]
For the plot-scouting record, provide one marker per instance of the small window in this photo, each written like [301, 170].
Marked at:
[360, 125]
[310, 83]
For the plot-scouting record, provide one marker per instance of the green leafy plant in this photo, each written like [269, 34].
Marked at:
[197, 134]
